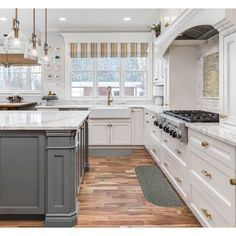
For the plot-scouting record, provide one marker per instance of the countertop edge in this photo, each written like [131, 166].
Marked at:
[203, 129]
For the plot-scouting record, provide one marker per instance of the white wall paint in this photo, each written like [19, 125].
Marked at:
[209, 47]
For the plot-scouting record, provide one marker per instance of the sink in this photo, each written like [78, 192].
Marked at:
[110, 112]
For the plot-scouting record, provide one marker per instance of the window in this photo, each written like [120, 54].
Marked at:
[123, 66]
[135, 77]
[82, 77]
[90, 77]
[20, 78]
[108, 75]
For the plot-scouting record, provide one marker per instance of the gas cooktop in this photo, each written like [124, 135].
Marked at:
[194, 115]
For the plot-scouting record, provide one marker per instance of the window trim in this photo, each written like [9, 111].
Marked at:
[24, 92]
[102, 37]
[122, 82]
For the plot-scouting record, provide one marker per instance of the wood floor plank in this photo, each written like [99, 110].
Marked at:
[111, 196]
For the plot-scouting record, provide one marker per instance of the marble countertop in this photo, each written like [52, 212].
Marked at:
[152, 108]
[216, 131]
[42, 120]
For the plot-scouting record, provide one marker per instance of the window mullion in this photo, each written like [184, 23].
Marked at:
[95, 87]
[122, 92]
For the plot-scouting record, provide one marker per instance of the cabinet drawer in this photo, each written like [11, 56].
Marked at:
[176, 150]
[156, 132]
[155, 149]
[175, 176]
[214, 179]
[204, 211]
[220, 151]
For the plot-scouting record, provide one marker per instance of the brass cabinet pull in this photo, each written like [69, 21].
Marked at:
[222, 116]
[178, 180]
[147, 121]
[206, 213]
[153, 117]
[204, 172]
[165, 141]
[233, 181]
[132, 110]
[165, 164]
[205, 144]
[146, 113]
[154, 131]
[178, 151]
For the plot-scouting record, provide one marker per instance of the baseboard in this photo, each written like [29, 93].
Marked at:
[116, 147]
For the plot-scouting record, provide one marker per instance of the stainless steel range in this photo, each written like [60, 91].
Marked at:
[173, 121]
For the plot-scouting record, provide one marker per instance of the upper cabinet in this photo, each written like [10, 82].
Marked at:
[228, 81]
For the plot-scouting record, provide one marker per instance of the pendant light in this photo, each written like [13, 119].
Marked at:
[16, 41]
[45, 59]
[33, 50]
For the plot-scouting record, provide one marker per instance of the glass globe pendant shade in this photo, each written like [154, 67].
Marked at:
[33, 51]
[15, 44]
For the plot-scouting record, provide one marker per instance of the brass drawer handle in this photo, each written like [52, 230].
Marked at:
[178, 151]
[233, 181]
[178, 180]
[147, 121]
[206, 213]
[165, 141]
[205, 144]
[153, 117]
[222, 116]
[165, 164]
[146, 113]
[204, 172]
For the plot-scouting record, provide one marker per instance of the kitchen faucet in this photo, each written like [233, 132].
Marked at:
[109, 97]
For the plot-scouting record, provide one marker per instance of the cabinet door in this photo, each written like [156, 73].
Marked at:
[22, 171]
[166, 86]
[98, 133]
[137, 126]
[229, 82]
[120, 133]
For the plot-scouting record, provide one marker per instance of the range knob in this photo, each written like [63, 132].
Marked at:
[167, 129]
[155, 122]
[160, 126]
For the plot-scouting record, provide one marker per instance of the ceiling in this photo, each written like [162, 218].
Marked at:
[82, 20]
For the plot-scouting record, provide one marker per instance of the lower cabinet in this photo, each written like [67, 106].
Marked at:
[22, 172]
[109, 132]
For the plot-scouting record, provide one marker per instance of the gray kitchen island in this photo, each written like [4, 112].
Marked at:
[43, 157]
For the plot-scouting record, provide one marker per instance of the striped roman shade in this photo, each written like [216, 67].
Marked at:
[94, 50]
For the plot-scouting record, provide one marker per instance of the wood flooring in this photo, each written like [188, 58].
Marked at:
[111, 196]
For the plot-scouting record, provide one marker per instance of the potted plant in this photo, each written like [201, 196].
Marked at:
[156, 28]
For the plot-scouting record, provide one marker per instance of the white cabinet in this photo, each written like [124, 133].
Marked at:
[228, 81]
[120, 133]
[99, 133]
[212, 167]
[109, 132]
[137, 126]
[160, 65]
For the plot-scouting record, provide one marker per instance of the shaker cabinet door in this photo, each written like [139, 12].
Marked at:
[228, 94]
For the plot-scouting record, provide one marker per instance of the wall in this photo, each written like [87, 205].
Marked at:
[182, 77]
[209, 47]
[56, 86]
[59, 86]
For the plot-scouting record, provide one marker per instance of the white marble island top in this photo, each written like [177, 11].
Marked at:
[216, 131]
[42, 120]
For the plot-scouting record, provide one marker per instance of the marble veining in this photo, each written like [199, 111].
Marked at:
[152, 108]
[42, 120]
[216, 131]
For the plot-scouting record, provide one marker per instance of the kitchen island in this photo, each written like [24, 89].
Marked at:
[43, 157]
